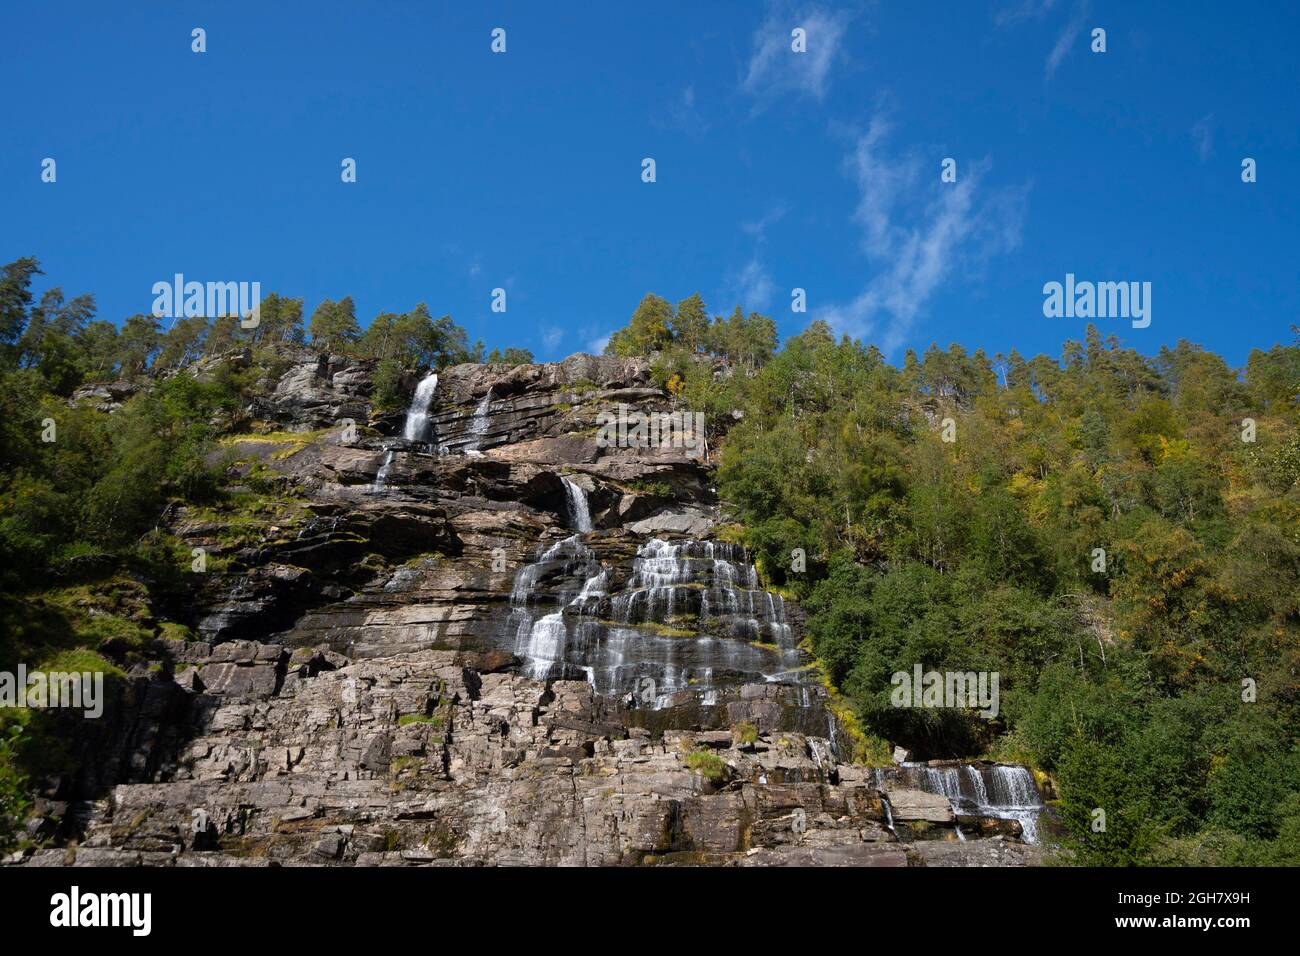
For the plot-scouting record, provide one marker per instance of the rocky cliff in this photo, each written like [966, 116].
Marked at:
[471, 633]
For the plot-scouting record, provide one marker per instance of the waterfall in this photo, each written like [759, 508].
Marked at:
[543, 641]
[413, 428]
[820, 751]
[544, 644]
[381, 475]
[1017, 798]
[689, 617]
[1001, 791]
[417, 416]
[579, 513]
[889, 811]
[479, 423]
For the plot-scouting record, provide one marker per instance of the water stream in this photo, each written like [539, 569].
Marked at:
[1001, 791]
[685, 615]
[414, 428]
[479, 423]
[579, 511]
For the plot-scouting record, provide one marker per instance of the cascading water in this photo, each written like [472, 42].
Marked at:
[414, 428]
[479, 423]
[689, 616]
[542, 641]
[381, 476]
[579, 512]
[417, 416]
[1015, 796]
[1001, 791]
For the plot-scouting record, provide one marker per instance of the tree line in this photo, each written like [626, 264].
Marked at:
[657, 326]
[70, 347]
[1117, 535]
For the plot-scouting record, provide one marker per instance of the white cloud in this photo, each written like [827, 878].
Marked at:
[682, 113]
[752, 287]
[1023, 10]
[758, 228]
[921, 235]
[597, 345]
[552, 336]
[774, 68]
[1203, 136]
[1067, 38]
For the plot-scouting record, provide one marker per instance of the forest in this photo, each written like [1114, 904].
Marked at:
[1116, 535]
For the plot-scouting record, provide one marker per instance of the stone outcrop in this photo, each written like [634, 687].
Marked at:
[438, 758]
[498, 642]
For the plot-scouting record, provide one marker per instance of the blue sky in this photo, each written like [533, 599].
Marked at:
[774, 169]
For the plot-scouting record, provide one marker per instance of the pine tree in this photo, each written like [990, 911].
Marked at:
[334, 325]
[690, 324]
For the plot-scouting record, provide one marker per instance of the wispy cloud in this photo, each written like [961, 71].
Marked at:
[552, 336]
[922, 233]
[1067, 38]
[751, 285]
[682, 113]
[758, 228]
[1022, 10]
[1203, 136]
[774, 68]
[597, 345]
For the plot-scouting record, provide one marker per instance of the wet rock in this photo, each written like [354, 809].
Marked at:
[909, 805]
[374, 685]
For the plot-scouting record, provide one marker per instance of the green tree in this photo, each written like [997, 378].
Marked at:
[137, 344]
[690, 323]
[648, 331]
[279, 321]
[334, 325]
[182, 343]
[15, 297]
[510, 356]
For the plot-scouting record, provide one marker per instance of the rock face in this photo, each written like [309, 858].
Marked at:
[499, 642]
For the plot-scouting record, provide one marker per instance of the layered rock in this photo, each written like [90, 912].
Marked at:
[438, 757]
[488, 639]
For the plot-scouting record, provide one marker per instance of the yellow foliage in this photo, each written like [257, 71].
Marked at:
[1023, 484]
[1175, 449]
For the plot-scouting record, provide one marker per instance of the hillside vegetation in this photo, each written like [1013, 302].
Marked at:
[1161, 690]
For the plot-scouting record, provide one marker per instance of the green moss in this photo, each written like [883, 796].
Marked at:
[433, 720]
[660, 630]
[708, 764]
[745, 732]
[171, 631]
[648, 486]
[866, 748]
[278, 437]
